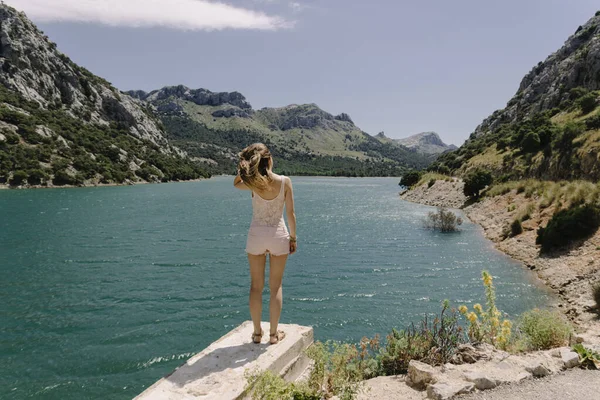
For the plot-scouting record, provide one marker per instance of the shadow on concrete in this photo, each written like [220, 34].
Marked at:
[218, 360]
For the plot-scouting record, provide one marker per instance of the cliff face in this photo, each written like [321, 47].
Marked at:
[60, 120]
[201, 97]
[550, 129]
[31, 65]
[549, 83]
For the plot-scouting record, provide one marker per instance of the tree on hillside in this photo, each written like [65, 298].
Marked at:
[476, 181]
[588, 102]
[531, 142]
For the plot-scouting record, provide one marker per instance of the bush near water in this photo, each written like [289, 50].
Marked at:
[443, 220]
[410, 178]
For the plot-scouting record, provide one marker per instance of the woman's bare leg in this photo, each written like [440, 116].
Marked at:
[257, 284]
[276, 268]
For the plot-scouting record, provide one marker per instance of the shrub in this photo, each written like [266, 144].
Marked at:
[37, 176]
[410, 178]
[266, 385]
[433, 342]
[525, 213]
[569, 225]
[336, 372]
[431, 183]
[593, 122]
[596, 294]
[63, 178]
[531, 142]
[444, 170]
[18, 178]
[516, 228]
[11, 138]
[476, 181]
[443, 220]
[577, 92]
[587, 103]
[544, 329]
[564, 139]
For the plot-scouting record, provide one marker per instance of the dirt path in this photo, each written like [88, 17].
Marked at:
[572, 384]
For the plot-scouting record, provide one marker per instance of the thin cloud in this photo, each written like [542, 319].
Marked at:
[174, 14]
[297, 6]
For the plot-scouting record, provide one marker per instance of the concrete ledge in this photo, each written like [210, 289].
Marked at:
[218, 371]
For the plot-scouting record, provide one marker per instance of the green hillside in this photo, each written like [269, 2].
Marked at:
[214, 127]
[551, 128]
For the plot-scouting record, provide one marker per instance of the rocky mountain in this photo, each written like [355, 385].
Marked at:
[60, 124]
[550, 129]
[214, 127]
[426, 143]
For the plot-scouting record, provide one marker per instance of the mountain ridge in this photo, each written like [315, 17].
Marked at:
[305, 138]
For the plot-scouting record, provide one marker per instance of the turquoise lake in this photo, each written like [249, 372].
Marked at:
[105, 290]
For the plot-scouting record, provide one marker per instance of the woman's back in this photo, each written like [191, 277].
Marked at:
[267, 206]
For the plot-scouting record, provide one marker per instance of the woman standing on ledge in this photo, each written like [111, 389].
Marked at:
[268, 233]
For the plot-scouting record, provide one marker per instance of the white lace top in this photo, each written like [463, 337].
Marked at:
[268, 213]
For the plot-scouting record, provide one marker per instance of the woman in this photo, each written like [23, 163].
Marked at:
[268, 233]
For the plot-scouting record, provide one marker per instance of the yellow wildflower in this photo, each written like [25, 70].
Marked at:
[487, 278]
[477, 307]
[494, 321]
[463, 309]
[506, 324]
[472, 317]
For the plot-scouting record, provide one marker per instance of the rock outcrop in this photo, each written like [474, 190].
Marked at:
[201, 97]
[494, 368]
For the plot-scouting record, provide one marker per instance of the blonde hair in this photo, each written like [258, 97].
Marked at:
[255, 161]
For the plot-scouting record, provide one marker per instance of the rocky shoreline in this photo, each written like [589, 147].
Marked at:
[569, 275]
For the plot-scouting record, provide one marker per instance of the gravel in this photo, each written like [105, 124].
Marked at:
[572, 384]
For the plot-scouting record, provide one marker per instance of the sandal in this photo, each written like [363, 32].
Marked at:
[256, 337]
[278, 337]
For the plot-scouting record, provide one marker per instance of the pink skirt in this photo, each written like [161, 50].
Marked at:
[266, 239]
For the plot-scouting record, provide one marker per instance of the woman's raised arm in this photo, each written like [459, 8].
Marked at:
[239, 183]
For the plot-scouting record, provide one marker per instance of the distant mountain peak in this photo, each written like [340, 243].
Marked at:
[426, 143]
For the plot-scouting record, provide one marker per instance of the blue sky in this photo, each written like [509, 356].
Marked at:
[401, 67]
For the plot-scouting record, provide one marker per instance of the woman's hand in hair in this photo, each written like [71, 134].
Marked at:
[239, 183]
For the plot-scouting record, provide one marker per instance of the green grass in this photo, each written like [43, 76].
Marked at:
[549, 193]
[428, 176]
